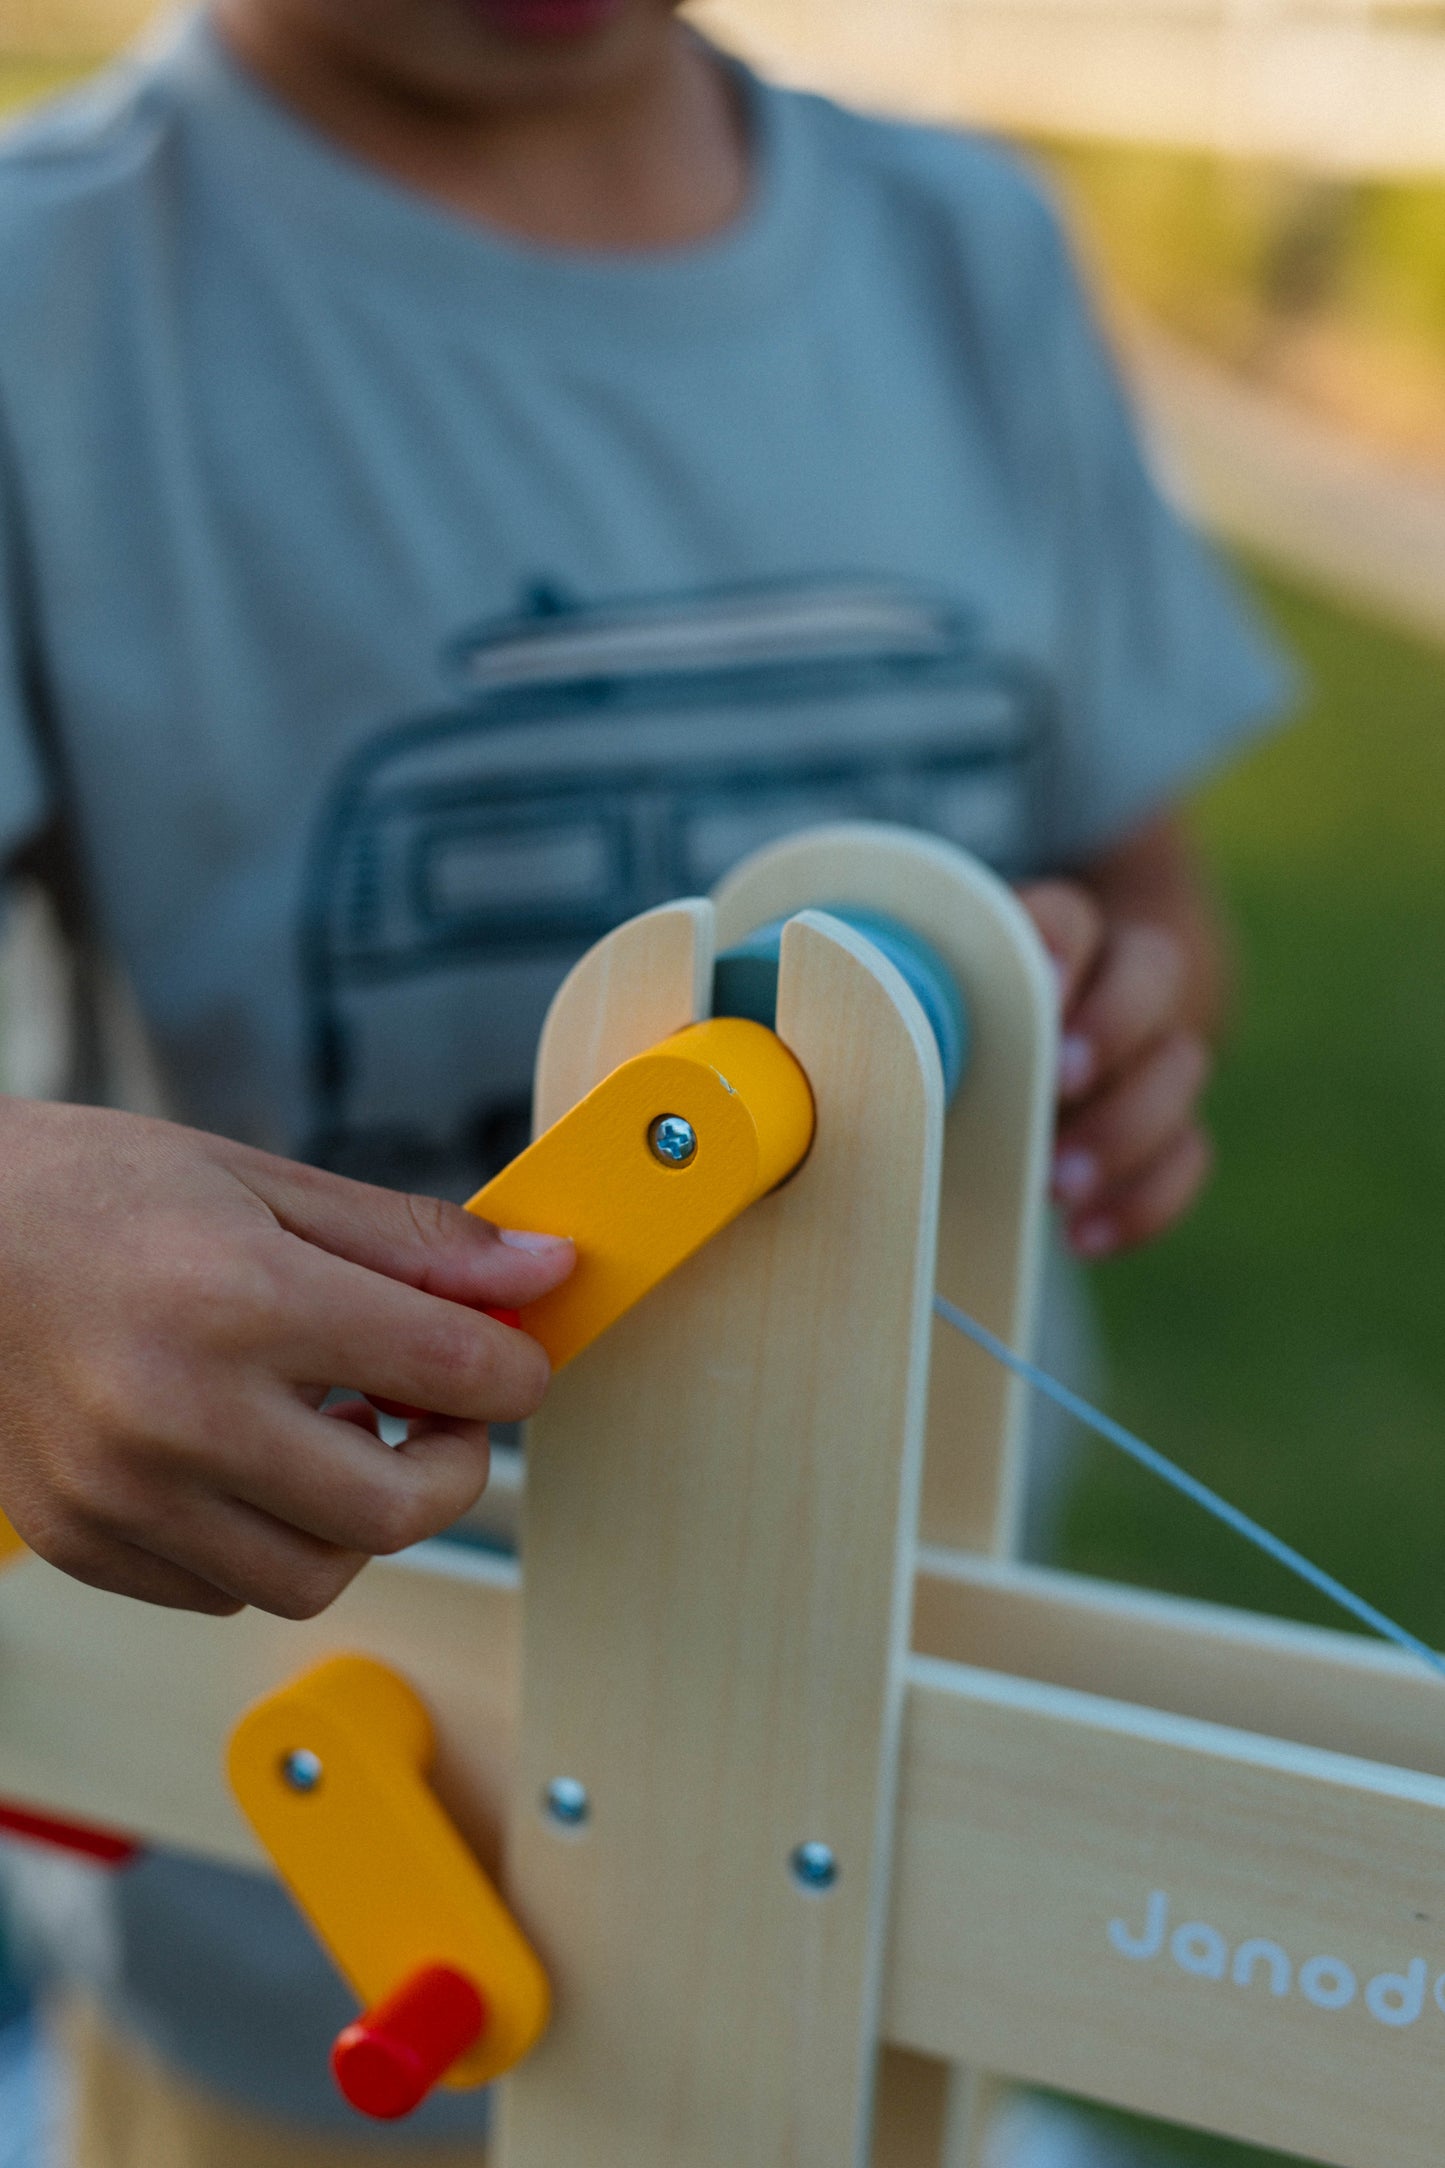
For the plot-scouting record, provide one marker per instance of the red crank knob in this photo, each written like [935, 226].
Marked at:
[390, 2058]
[107, 1847]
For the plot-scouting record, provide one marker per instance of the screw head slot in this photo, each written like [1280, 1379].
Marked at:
[673, 1140]
[566, 1803]
[814, 1866]
[302, 1770]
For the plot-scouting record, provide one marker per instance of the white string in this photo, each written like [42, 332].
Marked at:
[1104, 1426]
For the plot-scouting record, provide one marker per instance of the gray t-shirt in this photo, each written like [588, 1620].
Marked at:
[388, 607]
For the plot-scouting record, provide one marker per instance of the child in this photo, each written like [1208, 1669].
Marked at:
[470, 469]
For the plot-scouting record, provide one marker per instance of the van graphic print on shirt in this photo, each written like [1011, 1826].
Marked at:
[598, 760]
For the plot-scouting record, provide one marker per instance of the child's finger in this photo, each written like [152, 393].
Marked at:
[347, 1325]
[408, 1414]
[1130, 1123]
[1071, 926]
[121, 1568]
[1135, 997]
[1144, 1207]
[331, 1478]
[251, 1556]
[421, 1241]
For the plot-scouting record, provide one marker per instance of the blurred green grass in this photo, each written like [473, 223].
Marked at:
[1214, 245]
[1287, 1344]
[1329, 289]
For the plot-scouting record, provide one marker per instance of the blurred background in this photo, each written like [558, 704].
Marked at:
[1258, 188]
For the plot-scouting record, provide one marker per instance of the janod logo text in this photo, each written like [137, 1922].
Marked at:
[1392, 1998]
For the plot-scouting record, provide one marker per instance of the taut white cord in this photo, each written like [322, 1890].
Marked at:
[1189, 1486]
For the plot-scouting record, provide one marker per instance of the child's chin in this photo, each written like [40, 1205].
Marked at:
[550, 19]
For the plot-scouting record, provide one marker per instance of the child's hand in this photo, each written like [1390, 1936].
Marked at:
[173, 1311]
[1138, 965]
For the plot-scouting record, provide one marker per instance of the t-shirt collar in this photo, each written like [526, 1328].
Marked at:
[364, 223]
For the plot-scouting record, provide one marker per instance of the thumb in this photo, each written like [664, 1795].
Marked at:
[422, 1241]
[1070, 924]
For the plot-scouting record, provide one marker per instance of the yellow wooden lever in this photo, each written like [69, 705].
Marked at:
[330, 1771]
[655, 1160]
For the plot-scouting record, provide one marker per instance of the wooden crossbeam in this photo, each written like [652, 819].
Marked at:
[119, 1712]
[1294, 1793]
[1198, 1922]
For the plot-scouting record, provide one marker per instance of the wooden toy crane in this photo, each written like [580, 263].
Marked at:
[800, 1804]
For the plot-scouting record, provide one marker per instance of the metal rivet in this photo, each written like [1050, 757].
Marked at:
[567, 1803]
[673, 1140]
[814, 1865]
[302, 1770]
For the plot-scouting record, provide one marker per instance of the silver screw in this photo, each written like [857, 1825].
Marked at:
[814, 1865]
[673, 1140]
[302, 1770]
[567, 1803]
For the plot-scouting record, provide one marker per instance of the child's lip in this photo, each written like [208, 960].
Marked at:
[549, 18]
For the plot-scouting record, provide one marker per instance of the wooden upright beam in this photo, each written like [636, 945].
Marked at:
[992, 1205]
[993, 1199]
[718, 1539]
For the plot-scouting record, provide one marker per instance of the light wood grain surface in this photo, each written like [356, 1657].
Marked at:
[1308, 1684]
[996, 1141]
[992, 1204]
[625, 995]
[1035, 1817]
[718, 1555]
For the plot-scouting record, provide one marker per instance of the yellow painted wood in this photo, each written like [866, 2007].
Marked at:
[718, 1545]
[372, 1859]
[11, 1543]
[1034, 1817]
[633, 1217]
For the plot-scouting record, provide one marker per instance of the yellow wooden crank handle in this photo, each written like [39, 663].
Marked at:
[331, 1773]
[658, 1158]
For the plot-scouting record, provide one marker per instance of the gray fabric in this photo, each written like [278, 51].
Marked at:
[406, 604]
[208, 1959]
[389, 607]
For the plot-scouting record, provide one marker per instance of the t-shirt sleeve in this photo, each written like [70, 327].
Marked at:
[1163, 669]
